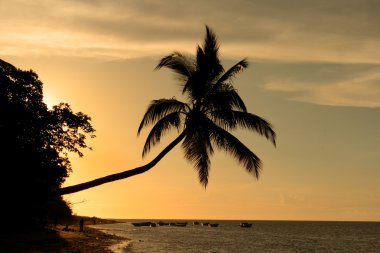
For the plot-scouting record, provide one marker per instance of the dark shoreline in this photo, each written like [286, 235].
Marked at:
[54, 238]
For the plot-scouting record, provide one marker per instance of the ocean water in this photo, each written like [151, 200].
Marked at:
[262, 237]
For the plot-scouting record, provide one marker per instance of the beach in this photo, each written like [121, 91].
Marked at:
[54, 239]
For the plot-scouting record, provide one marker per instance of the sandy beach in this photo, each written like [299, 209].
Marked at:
[55, 239]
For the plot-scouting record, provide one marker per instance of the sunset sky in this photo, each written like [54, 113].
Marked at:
[314, 74]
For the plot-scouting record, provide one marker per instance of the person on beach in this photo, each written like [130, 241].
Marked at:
[81, 222]
[66, 228]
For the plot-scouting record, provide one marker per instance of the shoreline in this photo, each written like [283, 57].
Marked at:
[55, 239]
[121, 247]
[92, 239]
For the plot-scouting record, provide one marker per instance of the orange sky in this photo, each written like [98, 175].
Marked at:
[314, 74]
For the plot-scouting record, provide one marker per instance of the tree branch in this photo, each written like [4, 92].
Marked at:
[121, 175]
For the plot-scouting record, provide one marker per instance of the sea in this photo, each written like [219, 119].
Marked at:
[262, 237]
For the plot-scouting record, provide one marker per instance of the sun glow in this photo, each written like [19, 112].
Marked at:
[49, 101]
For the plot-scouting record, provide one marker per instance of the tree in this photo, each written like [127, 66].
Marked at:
[35, 142]
[213, 108]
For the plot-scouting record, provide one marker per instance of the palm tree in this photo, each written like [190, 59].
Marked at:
[213, 108]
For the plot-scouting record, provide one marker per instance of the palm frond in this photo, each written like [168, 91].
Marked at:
[226, 141]
[159, 109]
[179, 63]
[191, 87]
[210, 45]
[224, 97]
[256, 124]
[200, 58]
[195, 85]
[237, 68]
[198, 149]
[197, 153]
[211, 51]
[162, 126]
[208, 67]
[223, 118]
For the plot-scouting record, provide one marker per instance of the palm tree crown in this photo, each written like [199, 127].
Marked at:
[213, 108]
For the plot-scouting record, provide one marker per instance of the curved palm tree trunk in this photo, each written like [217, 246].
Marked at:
[121, 175]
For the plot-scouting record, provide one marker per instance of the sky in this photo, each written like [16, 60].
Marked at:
[314, 73]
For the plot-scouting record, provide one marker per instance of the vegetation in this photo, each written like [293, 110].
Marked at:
[35, 142]
[213, 108]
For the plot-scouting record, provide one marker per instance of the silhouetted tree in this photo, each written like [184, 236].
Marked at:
[35, 142]
[213, 108]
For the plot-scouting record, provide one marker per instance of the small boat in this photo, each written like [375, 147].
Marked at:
[161, 223]
[245, 225]
[143, 224]
[178, 224]
[213, 225]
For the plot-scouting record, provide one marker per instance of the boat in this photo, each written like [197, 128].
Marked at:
[181, 224]
[205, 224]
[213, 225]
[143, 224]
[245, 225]
[178, 224]
[161, 223]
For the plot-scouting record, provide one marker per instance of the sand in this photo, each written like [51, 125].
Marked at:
[54, 239]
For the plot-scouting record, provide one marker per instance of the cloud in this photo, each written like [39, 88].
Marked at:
[336, 85]
[323, 52]
[332, 31]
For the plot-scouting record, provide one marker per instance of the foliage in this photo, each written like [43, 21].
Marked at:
[35, 142]
[213, 108]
